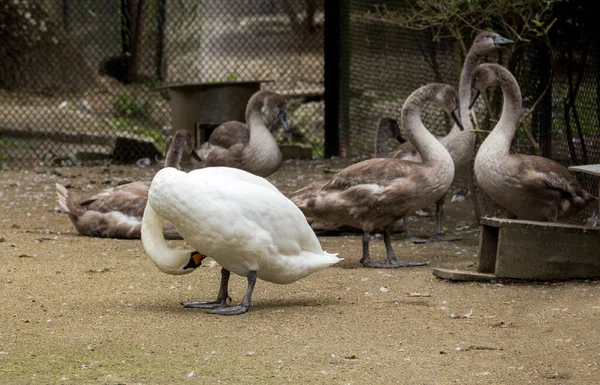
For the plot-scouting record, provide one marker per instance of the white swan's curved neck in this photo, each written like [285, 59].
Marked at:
[168, 260]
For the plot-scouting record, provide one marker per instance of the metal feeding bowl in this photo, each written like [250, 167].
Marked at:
[200, 107]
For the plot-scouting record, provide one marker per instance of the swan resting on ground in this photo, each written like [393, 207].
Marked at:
[117, 212]
[248, 146]
[240, 220]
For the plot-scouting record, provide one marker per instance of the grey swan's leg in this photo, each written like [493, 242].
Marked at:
[473, 190]
[409, 236]
[391, 255]
[438, 234]
[366, 257]
[222, 297]
[244, 306]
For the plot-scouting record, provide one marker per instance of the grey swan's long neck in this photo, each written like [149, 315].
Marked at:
[503, 133]
[430, 149]
[464, 92]
[383, 134]
[262, 151]
[175, 153]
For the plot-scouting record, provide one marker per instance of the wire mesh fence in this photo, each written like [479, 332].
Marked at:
[78, 80]
[384, 63]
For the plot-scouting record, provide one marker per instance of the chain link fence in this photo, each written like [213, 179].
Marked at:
[383, 63]
[78, 80]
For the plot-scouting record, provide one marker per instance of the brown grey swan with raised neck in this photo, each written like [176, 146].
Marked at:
[248, 146]
[117, 212]
[459, 143]
[373, 194]
[528, 187]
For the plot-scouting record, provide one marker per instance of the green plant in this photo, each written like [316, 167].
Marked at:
[232, 76]
[130, 106]
[318, 152]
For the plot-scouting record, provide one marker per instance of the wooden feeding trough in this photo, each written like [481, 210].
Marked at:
[590, 169]
[526, 250]
[201, 107]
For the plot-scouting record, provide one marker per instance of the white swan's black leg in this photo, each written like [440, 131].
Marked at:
[438, 234]
[244, 306]
[393, 261]
[222, 297]
[409, 236]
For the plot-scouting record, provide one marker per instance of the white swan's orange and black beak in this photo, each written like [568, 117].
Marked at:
[456, 116]
[474, 96]
[195, 260]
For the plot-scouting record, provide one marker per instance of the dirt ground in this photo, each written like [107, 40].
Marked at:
[85, 310]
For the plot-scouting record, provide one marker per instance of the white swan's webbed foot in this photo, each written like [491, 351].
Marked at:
[222, 298]
[207, 304]
[244, 306]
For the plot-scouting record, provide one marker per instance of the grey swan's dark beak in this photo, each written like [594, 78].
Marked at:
[456, 116]
[195, 155]
[282, 116]
[500, 41]
[474, 96]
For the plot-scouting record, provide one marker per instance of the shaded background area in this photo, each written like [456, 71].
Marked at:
[382, 63]
[78, 78]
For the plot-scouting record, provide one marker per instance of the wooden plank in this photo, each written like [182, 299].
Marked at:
[592, 169]
[462, 275]
[488, 246]
[547, 253]
[520, 224]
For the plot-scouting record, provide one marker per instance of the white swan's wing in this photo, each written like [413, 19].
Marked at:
[221, 174]
[239, 211]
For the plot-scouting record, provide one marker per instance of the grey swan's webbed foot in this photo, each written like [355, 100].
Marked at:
[441, 237]
[222, 297]
[393, 261]
[438, 234]
[244, 306]
[409, 236]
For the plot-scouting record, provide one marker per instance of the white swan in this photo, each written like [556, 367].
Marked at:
[248, 227]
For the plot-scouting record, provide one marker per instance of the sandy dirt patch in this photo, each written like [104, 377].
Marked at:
[84, 310]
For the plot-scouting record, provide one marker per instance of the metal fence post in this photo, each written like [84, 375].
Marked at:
[332, 45]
